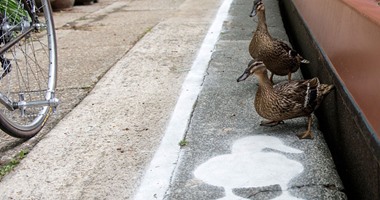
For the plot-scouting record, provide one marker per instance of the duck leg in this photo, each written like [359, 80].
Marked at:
[290, 76]
[271, 123]
[307, 134]
[271, 77]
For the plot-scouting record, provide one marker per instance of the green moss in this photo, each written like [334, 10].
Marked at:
[183, 143]
[5, 169]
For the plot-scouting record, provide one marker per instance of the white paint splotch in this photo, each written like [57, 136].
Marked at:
[249, 166]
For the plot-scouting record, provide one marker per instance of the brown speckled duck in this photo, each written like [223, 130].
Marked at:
[285, 100]
[279, 58]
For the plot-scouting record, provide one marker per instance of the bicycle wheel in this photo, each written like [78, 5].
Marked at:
[28, 60]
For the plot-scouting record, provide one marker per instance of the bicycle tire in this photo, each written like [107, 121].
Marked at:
[28, 69]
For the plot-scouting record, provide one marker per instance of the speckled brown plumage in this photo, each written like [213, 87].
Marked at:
[279, 58]
[285, 100]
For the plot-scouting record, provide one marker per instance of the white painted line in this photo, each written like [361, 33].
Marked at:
[158, 175]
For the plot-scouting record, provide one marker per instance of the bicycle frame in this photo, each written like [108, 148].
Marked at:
[34, 26]
[33, 16]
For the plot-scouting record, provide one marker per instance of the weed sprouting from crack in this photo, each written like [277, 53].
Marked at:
[8, 167]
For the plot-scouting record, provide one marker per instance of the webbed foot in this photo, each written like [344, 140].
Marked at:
[306, 135]
[271, 123]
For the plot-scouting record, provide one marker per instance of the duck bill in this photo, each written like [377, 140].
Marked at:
[244, 76]
[255, 4]
[253, 12]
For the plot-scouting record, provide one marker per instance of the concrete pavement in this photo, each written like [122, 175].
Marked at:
[227, 154]
[110, 144]
[118, 126]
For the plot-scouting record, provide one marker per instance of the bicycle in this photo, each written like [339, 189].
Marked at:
[28, 72]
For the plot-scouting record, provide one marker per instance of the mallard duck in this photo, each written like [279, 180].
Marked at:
[279, 58]
[285, 100]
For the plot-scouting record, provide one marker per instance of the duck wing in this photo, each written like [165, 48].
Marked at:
[301, 95]
[286, 49]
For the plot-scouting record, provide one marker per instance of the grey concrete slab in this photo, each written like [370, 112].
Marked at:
[243, 26]
[224, 118]
[100, 149]
[92, 39]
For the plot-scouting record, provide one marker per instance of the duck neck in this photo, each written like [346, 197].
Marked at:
[264, 82]
[262, 25]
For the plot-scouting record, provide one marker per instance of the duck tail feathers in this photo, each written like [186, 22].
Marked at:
[305, 61]
[326, 88]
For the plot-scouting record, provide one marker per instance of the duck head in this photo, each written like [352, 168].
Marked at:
[256, 6]
[254, 67]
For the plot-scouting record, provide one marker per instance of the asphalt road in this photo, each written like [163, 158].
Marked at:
[148, 75]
